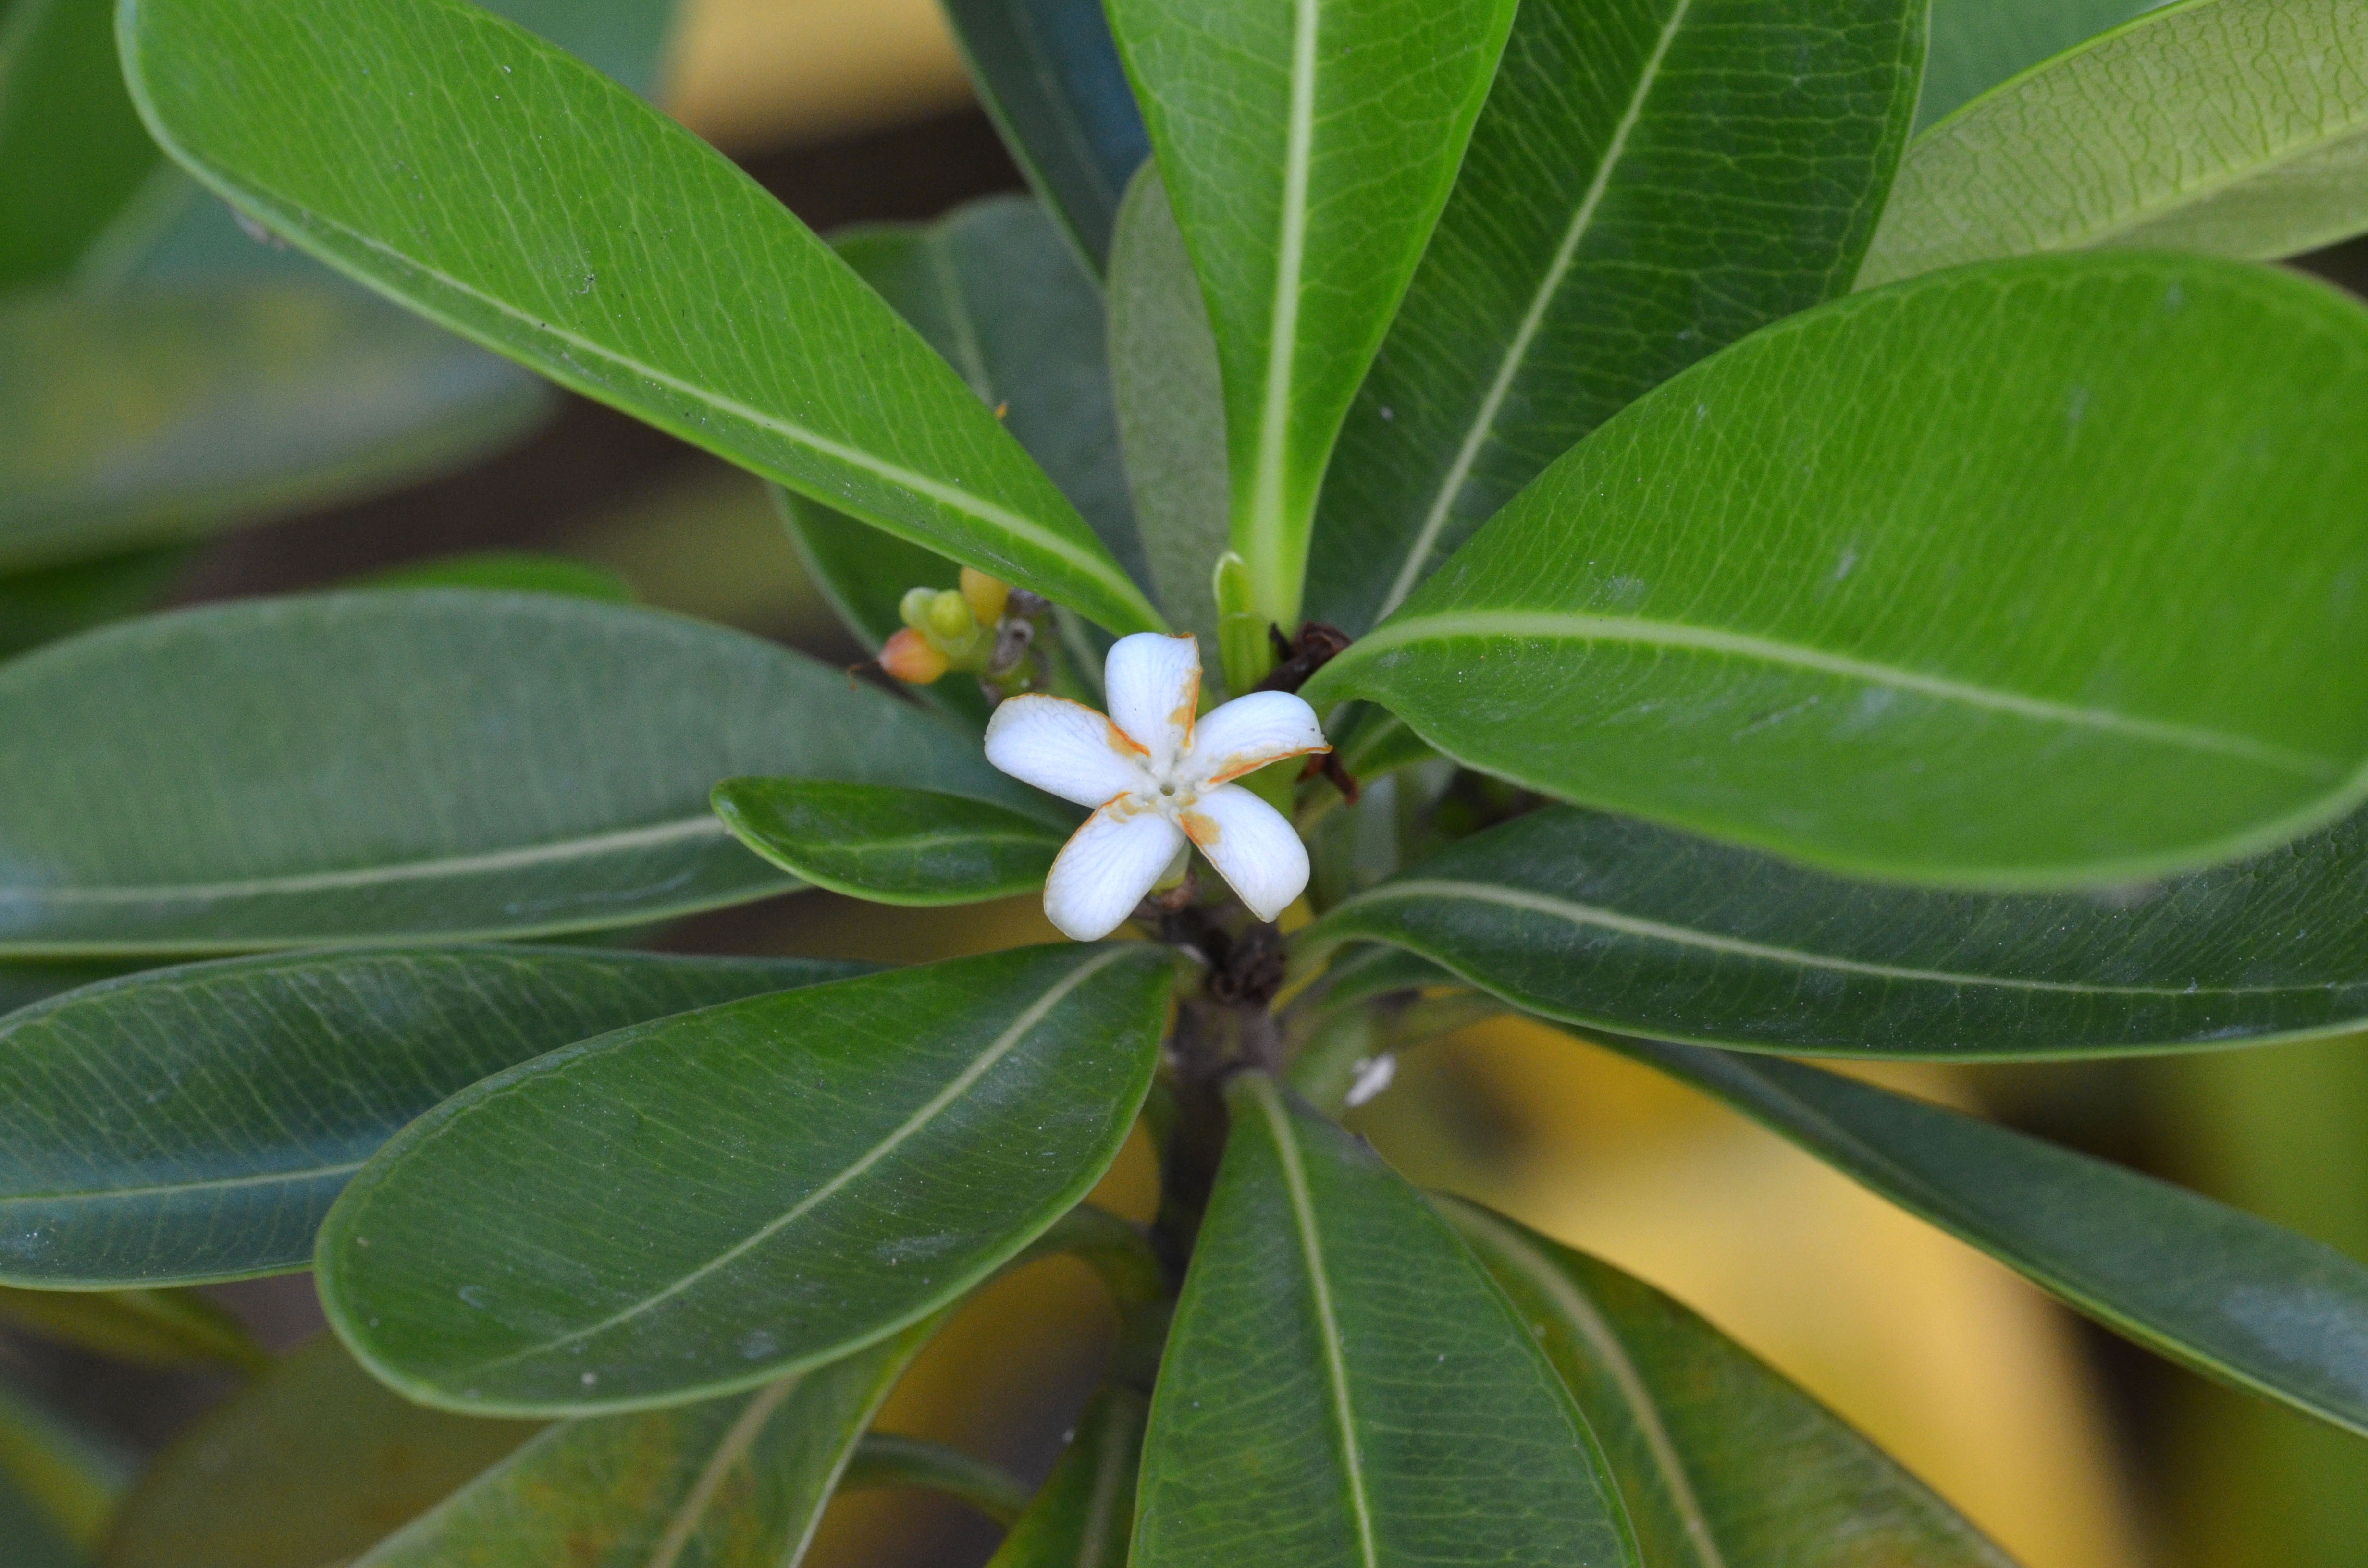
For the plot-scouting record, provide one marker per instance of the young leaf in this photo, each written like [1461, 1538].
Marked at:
[194, 1124]
[1610, 923]
[1650, 180]
[887, 844]
[2237, 128]
[147, 1328]
[1913, 586]
[1049, 73]
[713, 1200]
[382, 765]
[129, 420]
[584, 233]
[1343, 1386]
[2211, 1288]
[741, 1480]
[1084, 1515]
[1307, 149]
[1171, 404]
[313, 1462]
[1976, 44]
[1720, 1461]
[71, 151]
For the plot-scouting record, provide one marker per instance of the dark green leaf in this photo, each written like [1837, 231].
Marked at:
[2212, 1289]
[1976, 44]
[1380, 742]
[885, 1460]
[2237, 128]
[508, 570]
[1307, 149]
[72, 151]
[1050, 75]
[1987, 627]
[22, 984]
[131, 419]
[148, 1328]
[708, 1202]
[1344, 1387]
[891, 846]
[195, 1123]
[1651, 180]
[1084, 1515]
[1612, 923]
[586, 234]
[313, 1464]
[370, 765]
[44, 604]
[1720, 1461]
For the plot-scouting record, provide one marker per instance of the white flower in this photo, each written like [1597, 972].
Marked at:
[1155, 779]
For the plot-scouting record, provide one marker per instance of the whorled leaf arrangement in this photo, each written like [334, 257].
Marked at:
[1971, 662]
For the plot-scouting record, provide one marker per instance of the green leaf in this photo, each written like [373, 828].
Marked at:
[1171, 406]
[2165, 665]
[22, 984]
[708, 1202]
[1049, 73]
[2211, 1288]
[891, 846]
[1307, 149]
[72, 151]
[194, 1124]
[1343, 1386]
[370, 765]
[718, 1485]
[510, 571]
[69, 1477]
[312, 1463]
[1609, 923]
[34, 1540]
[885, 1460]
[1720, 1460]
[2237, 128]
[48, 603]
[134, 419]
[1650, 181]
[148, 1328]
[1976, 44]
[1084, 1515]
[584, 233]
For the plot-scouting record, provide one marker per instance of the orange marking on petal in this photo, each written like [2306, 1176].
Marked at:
[1203, 829]
[1236, 766]
[1124, 743]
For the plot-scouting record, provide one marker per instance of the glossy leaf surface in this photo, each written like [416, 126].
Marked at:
[364, 765]
[710, 1201]
[623, 257]
[147, 1328]
[1343, 1386]
[72, 151]
[315, 1463]
[1650, 180]
[1722, 1463]
[732, 1482]
[1307, 149]
[131, 419]
[891, 846]
[1608, 921]
[1084, 1515]
[195, 1123]
[1987, 626]
[1976, 44]
[1049, 73]
[2210, 1287]
[2237, 128]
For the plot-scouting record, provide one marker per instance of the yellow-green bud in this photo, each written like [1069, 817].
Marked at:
[914, 607]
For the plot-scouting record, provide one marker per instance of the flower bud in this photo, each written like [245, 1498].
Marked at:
[914, 607]
[950, 623]
[987, 595]
[912, 657]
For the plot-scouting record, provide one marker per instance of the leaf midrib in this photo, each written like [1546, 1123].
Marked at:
[1266, 509]
[736, 1441]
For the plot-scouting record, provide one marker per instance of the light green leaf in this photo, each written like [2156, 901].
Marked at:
[2237, 128]
[584, 233]
[1610, 923]
[1976, 44]
[134, 419]
[72, 151]
[1722, 1463]
[1171, 406]
[1650, 180]
[1084, 1515]
[1343, 1386]
[51, 602]
[312, 1463]
[708, 1202]
[508, 570]
[194, 1124]
[1990, 627]
[2211, 1288]
[883, 1458]
[425, 764]
[148, 1328]
[891, 846]
[1307, 149]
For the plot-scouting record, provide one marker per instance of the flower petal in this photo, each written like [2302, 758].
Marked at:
[1107, 867]
[1252, 730]
[1153, 681]
[1063, 748]
[1252, 844]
